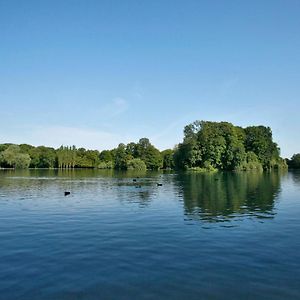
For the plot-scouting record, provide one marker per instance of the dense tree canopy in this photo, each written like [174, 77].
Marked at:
[149, 154]
[42, 157]
[13, 157]
[206, 146]
[223, 146]
[294, 162]
[136, 164]
[121, 157]
[168, 159]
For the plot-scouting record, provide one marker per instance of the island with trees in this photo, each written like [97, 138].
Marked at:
[206, 146]
[294, 162]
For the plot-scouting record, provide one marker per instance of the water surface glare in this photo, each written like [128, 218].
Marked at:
[198, 236]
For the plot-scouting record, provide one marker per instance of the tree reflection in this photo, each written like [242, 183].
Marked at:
[222, 196]
[209, 197]
[296, 176]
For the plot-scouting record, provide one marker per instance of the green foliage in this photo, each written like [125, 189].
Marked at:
[70, 157]
[278, 163]
[207, 146]
[187, 155]
[259, 140]
[25, 148]
[168, 159]
[66, 157]
[85, 158]
[22, 161]
[222, 194]
[219, 145]
[136, 164]
[42, 157]
[105, 165]
[92, 158]
[294, 162]
[106, 156]
[121, 157]
[251, 163]
[12, 157]
[149, 154]
[4, 147]
[223, 146]
[132, 149]
[207, 168]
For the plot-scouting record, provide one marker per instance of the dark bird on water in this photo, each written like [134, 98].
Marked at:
[67, 193]
[134, 180]
[159, 184]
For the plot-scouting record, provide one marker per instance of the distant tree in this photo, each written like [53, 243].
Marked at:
[12, 157]
[223, 146]
[113, 153]
[149, 154]
[251, 162]
[86, 158]
[168, 159]
[105, 165]
[211, 144]
[106, 156]
[73, 155]
[92, 157]
[66, 157]
[22, 161]
[121, 157]
[220, 145]
[42, 157]
[187, 154]
[25, 148]
[80, 158]
[62, 157]
[136, 164]
[294, 162]
[205, 146]
[132, 149]
[259, 140]
[4, 146]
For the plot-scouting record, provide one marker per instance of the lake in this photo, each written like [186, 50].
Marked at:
[198, 236]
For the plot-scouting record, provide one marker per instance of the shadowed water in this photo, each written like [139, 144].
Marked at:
[198, 236]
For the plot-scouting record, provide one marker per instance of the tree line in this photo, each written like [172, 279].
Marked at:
[294, 162]
[206, 145]
[133, 156]
[223, 146]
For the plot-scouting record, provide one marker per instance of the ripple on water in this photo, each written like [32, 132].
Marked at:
[192, 237]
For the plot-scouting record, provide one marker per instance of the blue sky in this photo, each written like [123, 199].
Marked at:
[97, 73]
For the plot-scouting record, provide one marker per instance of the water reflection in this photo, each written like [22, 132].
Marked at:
[110, 238]
[127, 187]
[217, 197]
[296, 176]
[221, 197]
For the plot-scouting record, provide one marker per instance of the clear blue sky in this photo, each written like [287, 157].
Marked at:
[97, 73]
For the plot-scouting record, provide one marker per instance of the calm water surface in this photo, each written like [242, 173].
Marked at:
[198, 236]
